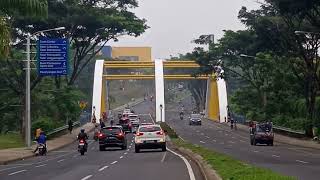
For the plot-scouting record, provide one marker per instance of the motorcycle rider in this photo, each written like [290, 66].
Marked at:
[83, 136]
[42, 140]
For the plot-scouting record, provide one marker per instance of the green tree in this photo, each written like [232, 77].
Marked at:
[89, 26]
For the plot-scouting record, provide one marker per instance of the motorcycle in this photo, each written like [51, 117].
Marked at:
[181, 117]
[82, 147]
[42, 150]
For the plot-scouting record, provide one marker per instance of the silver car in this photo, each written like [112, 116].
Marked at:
[135, 120]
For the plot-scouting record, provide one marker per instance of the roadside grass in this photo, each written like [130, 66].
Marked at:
[227, 167]
[10, 141]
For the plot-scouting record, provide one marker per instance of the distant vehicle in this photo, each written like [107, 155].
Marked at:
[262, 134]
[195, 119]
[150, 137]
[112, 136]
[180, 87]
[126, 111]
[126, 124]
[134, 119]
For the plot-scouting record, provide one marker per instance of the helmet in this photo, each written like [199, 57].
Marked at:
[82, 130]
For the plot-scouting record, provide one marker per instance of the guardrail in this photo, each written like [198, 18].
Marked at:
[290, 132]
[62, 128]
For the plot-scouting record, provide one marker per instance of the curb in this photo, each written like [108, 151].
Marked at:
[207, 172]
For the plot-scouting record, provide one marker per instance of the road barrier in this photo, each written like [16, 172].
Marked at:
[62, 128]
[289, 132]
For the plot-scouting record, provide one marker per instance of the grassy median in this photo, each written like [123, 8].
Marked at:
[10, 141]
[227, 167]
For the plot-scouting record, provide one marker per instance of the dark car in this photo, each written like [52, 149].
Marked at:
[112, 136]
[195, 119]
[262, 134]
[126, 124]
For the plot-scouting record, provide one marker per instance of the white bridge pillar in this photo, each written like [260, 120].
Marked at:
[97, 89]
[159, 82]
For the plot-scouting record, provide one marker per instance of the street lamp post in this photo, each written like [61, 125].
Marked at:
[161, 107]
[27, 105]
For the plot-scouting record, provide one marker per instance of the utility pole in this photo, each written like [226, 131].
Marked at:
[28, 110]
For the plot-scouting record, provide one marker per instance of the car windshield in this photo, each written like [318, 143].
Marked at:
[195, 116]
[150, 129]
[264, 128]
[111, 130]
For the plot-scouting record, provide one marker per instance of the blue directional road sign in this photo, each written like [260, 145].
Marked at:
[52, 56]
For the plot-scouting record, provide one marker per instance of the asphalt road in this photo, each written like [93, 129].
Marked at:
[67, 163]
[303, 163]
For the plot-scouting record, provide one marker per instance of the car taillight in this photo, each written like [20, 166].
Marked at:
[101, 135]
[81, 141]
[139, 134]
[160, 133]
[120, 135]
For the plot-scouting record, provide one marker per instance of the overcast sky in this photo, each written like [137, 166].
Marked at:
[175, 23]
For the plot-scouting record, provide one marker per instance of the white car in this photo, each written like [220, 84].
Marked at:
[150, 137]
[126, 111]
[135, 120]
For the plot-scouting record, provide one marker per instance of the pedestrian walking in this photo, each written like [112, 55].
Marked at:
[70, 126]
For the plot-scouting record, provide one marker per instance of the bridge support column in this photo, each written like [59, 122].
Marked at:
[159, 82]
[223, 100]
[97, 93]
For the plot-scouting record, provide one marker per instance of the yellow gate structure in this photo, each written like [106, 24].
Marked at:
[216, 100]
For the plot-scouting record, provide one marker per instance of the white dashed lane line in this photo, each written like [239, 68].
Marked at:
[87, 177]
[61, 160]
[256, 151]
[202, 142]
[121, 157]
[275, 156]
[41, 165]
[207, 137]
[214, 140]
[304, 162]
[17, 172]
[125, 153]
[103, 168]
[128, 149]
[114, 162]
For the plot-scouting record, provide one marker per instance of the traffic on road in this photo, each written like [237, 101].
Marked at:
[117, 154]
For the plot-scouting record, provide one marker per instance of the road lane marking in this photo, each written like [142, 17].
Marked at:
[60, 160]
[151, 118]
[231, 142]
[202, 142]
[190, 171]
[103, 168]
[181, 138]
[41, 165]
[128, 149]
[304, 162]
[256, 151]
[125, 153]
[76, 155]
[92, 148]
[242, 140]
[87, 177]
[275, 156]
[164, 156]
[130, 146]
[114, 162]
[121, 157]
[207, 137]
[16, 172]
[214, 140]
